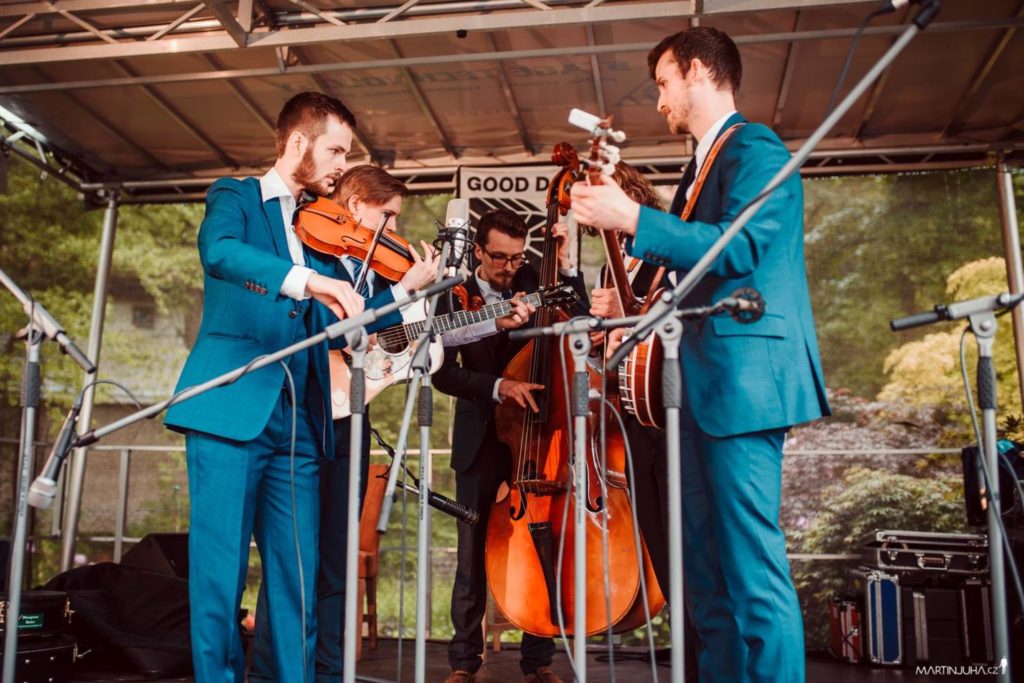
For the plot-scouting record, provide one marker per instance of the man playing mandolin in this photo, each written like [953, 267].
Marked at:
[745, 384]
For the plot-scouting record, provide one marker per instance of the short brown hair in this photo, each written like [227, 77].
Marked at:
[714, 48]
[371, 184]
[503, 221]
[307, 113]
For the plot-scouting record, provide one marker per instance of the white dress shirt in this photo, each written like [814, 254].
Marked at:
[700, 155]
[373, 281]
[476, 331]
[704, 146]
[273, 186]
[491, 296]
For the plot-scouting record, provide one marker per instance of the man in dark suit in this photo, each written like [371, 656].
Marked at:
[481, 462]
[745, 384]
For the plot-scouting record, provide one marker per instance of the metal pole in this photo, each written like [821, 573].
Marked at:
[426, 419]
[122, 503]
[1014, 269]
[671, 331]
[357, 399]
[99, 303]
[30, 403]
[984, 327]
[579, 343]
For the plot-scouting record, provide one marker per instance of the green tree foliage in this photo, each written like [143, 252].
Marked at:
[49, 246]
[927, 372]
[879, 247]
[863, 501]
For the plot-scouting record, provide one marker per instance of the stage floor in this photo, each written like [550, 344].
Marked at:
[503, 667]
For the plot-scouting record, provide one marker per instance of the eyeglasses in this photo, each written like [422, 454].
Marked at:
[501, 259]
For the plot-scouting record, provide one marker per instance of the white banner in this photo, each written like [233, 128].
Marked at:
[521, 189]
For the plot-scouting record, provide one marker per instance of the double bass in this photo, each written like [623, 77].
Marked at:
[530, 532]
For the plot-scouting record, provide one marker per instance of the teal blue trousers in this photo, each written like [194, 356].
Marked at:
[737, 574]
[239, 490]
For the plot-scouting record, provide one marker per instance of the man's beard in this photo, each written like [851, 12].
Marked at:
[304, 175]
[502, 278]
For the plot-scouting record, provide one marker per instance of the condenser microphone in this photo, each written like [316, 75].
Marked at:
[456, 230]
[44, 488]
[888, 6]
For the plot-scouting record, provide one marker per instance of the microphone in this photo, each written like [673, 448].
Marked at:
[745, 305]
[44, 488]
[889, 6]
[456, 231]
[453, 508]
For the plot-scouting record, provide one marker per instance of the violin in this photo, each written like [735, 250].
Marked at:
[328, 227]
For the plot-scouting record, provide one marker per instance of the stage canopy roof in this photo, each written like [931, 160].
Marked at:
[157, 97]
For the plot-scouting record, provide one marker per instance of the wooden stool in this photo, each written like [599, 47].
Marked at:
[369, 554]
[494, 624]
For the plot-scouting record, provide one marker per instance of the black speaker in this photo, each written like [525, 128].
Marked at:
[164, 553]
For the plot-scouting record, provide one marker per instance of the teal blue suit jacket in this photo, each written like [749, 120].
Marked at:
[245, 257]
[743, 378]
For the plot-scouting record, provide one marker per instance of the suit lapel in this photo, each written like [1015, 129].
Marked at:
[710, 188]
[275, 223]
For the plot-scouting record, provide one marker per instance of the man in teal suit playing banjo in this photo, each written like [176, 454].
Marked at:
[745, 384]
[252, 447]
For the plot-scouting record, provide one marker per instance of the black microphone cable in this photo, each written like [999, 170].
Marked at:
[295, 519]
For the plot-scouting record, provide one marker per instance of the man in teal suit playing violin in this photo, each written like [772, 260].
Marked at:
[745, 384]
[252, 447]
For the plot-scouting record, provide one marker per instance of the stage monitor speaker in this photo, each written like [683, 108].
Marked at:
[164, 553]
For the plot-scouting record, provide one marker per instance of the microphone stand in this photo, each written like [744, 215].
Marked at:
[332, 331]
[355, 328]
[358, 343]
[669, 301]
[29, 405]
[980, 315]
[420, 390]
[578, 330]
[40, 324]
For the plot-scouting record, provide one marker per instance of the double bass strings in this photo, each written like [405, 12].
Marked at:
[582, 489]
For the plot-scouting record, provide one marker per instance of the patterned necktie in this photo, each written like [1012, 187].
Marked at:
[357, 268]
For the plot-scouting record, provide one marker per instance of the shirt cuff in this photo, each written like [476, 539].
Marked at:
[567, 272]
[469, 334]
[294, 285]
[494, 394]
[398, 291]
